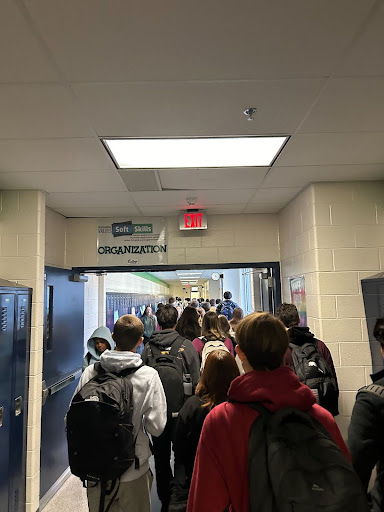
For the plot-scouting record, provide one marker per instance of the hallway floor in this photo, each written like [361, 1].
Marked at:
[73, 496]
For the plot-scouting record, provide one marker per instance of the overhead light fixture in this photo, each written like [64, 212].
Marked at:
[257, 151]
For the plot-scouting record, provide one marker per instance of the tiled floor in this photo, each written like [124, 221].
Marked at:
[73, 497]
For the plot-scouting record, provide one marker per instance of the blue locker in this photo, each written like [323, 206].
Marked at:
[15, 311]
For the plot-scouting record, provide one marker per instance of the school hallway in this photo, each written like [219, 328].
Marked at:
[73, 496]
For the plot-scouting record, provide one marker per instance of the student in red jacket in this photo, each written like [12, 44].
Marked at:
[220, 476]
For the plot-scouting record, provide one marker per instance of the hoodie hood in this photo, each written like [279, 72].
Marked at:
[275, 389]
[116, 361]
[104, 333]
[165, 338]
[300, 335]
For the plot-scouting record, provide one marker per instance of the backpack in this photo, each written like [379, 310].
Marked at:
[305, 470]
[171, 372]
[209, 346]
[227, 309]
[312, 370]
[101, 443]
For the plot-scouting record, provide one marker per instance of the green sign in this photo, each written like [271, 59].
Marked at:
[142, 228]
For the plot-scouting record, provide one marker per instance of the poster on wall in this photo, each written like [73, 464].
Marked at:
[132, 242]
[297, 289]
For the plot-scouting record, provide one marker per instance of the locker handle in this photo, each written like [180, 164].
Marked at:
[1, 416]
[51, 390]
[18, 405]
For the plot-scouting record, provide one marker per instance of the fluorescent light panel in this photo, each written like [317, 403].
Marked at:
[194, 152]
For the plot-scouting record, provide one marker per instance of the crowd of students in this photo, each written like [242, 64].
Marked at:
[196, 400]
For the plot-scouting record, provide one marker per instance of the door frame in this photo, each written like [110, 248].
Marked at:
[273, 265]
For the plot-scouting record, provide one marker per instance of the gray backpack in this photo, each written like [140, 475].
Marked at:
[295, 466]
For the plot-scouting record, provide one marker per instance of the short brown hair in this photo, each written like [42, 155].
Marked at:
[167, 316]
[219, 371]
[127, 332]
[263, 339]
[288, 314]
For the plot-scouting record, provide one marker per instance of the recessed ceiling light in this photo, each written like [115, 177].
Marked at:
[194, 152]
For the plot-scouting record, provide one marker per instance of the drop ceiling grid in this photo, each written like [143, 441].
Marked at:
[66, 117]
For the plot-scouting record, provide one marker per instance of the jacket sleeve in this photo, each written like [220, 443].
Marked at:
[364, 437]
[192, 362]
[208, 492]
[144, 354]
[85, 362]
[155, 407]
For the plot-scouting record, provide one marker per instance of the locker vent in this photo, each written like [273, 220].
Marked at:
[4, 319]
[22, 317]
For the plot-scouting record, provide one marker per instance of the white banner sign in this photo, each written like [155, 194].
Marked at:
[138, 241]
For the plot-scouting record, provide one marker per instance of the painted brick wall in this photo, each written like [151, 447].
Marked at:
[22, 231]
[333, 233]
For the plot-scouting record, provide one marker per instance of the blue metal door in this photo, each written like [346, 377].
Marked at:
[63, 353]
[6, 349]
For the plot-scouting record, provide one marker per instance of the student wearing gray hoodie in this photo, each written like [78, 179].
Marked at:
[100, 341]
[149, 415]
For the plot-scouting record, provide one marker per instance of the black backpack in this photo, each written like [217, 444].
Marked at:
[171, 371]
[312, 370]
[295, 466]
[101, 443]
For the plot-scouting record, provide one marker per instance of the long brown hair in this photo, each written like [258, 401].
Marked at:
[210, 327]
[224, 326]
[219, 371]
[237, 316]
[188, 324]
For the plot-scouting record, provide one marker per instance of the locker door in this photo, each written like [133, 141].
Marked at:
[18, 403]
[6, 349]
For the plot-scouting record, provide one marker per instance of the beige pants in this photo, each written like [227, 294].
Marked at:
[133, 496]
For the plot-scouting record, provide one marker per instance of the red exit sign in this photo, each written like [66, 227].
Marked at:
[193, 220]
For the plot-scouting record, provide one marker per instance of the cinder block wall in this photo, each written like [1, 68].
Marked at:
[333, 234]
[22, 232]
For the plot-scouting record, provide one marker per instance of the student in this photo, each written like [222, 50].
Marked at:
[227, 306]
[237, 316]
[212, 303]
[149, 415]
[310, 350]
[220, 476]
[206, 306]
[365, 435]
[210, 331]
[168, 342]
[219, 371]
[100, 341]
[225, 330]
[188, 326]
[149, 322]
[201, 313]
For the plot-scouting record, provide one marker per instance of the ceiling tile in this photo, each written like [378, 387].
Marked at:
[333, 148]
[264, 207]
[39, 111]
[302, 176]
[348, 105]
[64, 181]
[168, 109]
[275, 195]
[142, 180]
[97, 212]
[95, 40]
[245, 177]
[205, 198]
[90, 199]
[53, 155]
[158, 211]
[21, 56]
[366, 55]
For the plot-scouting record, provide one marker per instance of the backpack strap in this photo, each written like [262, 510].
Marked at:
[374, 389]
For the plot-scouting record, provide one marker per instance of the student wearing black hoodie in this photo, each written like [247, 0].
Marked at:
[299, 336]
[365, 434]
[189, 361]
